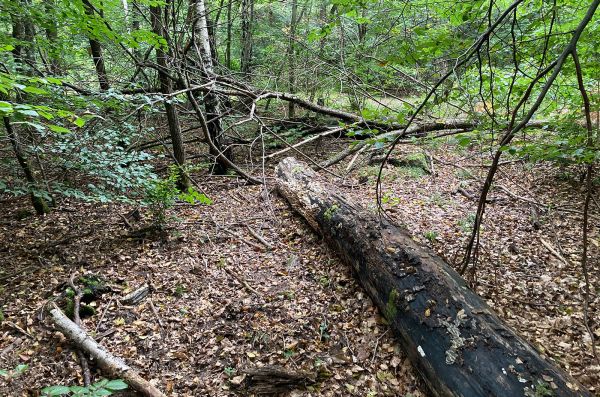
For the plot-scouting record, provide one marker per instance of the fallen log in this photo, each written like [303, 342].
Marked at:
[451, 127]
[456, 342]
[113, 366]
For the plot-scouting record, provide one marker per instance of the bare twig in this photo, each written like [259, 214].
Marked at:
[241, 280]
[259, 238]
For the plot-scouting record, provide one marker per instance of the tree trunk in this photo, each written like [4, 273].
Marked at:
[51, 29]
[96, 50]
[247, 20]
[24, 31]
[456, 342]
[39, 203]
[212, 103]
[228, 44]
[166, 87]
[24, 57]
[291, 53]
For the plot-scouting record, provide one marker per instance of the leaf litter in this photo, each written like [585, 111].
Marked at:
[223, 303]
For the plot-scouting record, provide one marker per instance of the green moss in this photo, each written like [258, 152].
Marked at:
[390, 308]
[416, 160]
[412, 172]
[70, 308]
[93, 287]
[539, 389]
[328, 215]
[90, 281]
[84, 310]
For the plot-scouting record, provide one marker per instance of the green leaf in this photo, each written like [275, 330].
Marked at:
[116, 384]
[78, 389]
[56, 390]
[5, 107]
[4, 373]
[79, 122]
[38, 127]
[59, 129]
[28, 112]
[21, 368]
[54, 80]
[463, 140]
[101, 383]
[46, 115]
[35, 90]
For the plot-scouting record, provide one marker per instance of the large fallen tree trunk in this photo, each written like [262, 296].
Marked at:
[456, 342]
[113, 366]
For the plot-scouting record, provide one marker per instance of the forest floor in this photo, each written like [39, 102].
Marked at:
[223, 302]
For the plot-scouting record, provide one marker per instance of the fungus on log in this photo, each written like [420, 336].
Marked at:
[452, 337]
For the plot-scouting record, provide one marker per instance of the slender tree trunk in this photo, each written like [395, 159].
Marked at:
[39, 203]
[228, 43]
[247, 22]
[126, 14]
[212, 38]
[362, 29]
[212, 103]
[24, 57]
[135, 19]
[166, 87]
[51, 29]
[96, 50]
[23, 31]
[292, 58]
[323, 20]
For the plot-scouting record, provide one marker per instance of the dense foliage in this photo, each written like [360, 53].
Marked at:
[85, 84]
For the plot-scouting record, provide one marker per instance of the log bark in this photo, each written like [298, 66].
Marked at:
[113, 366]
[456, 342]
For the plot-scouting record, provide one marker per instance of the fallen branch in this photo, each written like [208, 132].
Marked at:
[136, 296]
[259, 238]
[113, 366]
[276, 380]
[242, 239]
[458, 126]
[304, 142]
[554, 251]
[242, 281]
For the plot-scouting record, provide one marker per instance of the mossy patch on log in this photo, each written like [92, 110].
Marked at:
[391, 308]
